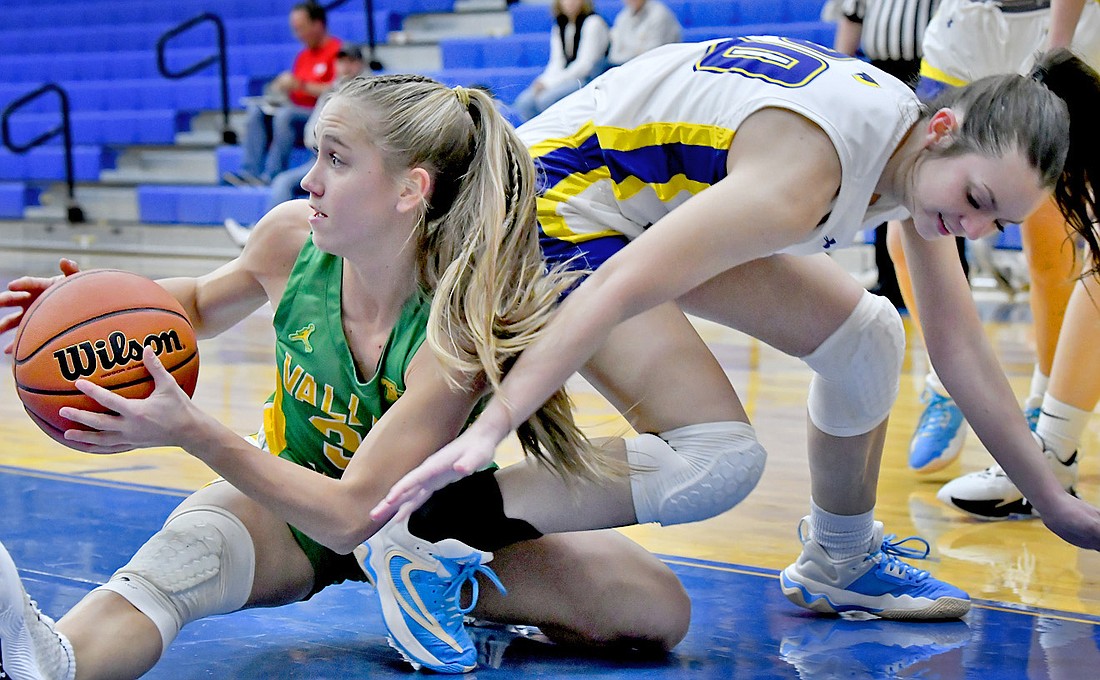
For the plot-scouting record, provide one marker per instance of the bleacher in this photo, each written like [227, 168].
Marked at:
[103, 53]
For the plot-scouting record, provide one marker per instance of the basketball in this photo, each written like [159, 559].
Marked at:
[95, 325]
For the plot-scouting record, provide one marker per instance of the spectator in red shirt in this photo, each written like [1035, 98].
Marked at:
[288, 99]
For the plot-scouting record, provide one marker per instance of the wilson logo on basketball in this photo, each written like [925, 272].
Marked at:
[85, 358]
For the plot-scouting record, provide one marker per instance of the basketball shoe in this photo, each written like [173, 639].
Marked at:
[876, 582]
[837, 648]
[990, 494]
[1032, 415]
[30, 648]
[940, 434]
[420, 585]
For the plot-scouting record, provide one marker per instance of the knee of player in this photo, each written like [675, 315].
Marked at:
[694, 472]
[202, 562]
[857, 370]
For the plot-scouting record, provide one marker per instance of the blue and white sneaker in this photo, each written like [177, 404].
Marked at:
[876, 583]
[990, 494]
[30, 648]
[1032, 415]
[420, 585]
[939, 436]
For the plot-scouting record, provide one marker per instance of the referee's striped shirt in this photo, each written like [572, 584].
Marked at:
[892, 29]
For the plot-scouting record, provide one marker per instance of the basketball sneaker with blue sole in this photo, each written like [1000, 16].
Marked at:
[939, 436]
[420, 585]
[989, 494]
[877, 582]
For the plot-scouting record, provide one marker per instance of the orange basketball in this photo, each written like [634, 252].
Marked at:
[94, 325]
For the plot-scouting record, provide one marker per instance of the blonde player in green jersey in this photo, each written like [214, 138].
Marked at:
[401, 288]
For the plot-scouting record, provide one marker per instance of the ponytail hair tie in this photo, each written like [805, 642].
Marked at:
[463, 96]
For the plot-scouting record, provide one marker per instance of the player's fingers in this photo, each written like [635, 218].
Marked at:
[68, 267]
[102, 396]
[10, 321]
[93, 419]
[11, 298]
[409, 507]
[161, 376]
[97, 442]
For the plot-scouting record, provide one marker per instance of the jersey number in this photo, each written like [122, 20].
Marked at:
[787, 62]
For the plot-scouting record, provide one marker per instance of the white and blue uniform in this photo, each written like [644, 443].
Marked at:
[971, 39]
[645, 137]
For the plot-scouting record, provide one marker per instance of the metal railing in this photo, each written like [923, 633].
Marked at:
[73, 211]
[368, 6]
[229, 136]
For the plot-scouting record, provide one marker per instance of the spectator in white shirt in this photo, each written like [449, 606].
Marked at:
[578, 50]
[640, 26]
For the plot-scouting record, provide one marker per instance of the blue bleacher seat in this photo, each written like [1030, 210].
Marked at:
[820, 32]
[229, 158]
[12, 199]
[200, 204]
[700, 13]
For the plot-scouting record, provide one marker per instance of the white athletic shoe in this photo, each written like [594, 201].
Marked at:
[990, 494]
[876, 582]
[30, 648]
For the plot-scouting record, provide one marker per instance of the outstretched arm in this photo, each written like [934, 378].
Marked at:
[965, 362]
[746, 216]
[329, 510]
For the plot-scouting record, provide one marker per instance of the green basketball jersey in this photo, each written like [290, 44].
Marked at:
[321, 409]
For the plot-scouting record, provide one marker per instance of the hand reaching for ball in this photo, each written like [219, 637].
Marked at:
[22, 293]
[164, 418]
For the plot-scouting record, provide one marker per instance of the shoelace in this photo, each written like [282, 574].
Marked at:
[467, 573]
[892, 550]
[937, 415]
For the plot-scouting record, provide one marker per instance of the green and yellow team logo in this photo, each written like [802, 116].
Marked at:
[302, 336]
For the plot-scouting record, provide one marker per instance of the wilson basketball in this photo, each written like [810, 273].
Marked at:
[95, 325]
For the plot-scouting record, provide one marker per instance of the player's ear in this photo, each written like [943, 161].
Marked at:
[416, 188]
[941, 130]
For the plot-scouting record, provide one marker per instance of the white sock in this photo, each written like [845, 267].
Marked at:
[1038, 389]
[932, 382]
[842, 536]
[1061, 426]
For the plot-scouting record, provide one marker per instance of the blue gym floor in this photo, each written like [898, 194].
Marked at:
[67, 533]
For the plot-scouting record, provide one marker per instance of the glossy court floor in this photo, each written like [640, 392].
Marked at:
[70, 519]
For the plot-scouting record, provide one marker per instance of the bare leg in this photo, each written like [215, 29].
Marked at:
[657, 371]
[1075, 375]
[1052, 266]
[112, 639]
[843, 470]
[594, 588]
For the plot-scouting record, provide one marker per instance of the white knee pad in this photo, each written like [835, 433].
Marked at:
[693, 473]
[200, 563]
[857, 370]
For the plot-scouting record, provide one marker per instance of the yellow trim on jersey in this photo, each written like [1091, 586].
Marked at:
[929, 71]
[275, 423]
[612, 138]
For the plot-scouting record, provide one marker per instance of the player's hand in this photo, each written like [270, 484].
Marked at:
[467, 454]
[164, 418]
[1075, 521]
[22, 293]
